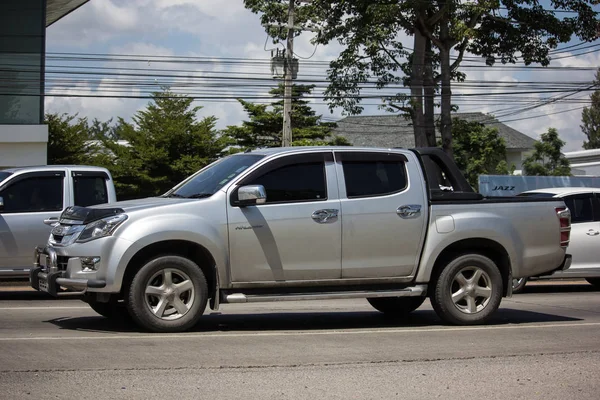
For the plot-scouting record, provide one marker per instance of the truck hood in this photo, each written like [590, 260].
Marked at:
[85, 215]
[142, 204]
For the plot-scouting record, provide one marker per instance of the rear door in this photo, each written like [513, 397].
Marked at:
[29, 200]
[384, 210]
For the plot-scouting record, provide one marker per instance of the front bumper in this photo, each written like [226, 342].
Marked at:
[46, 276]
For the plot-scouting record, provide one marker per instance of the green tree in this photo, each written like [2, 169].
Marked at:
[478, 150]
[547, 159]
[264, 127]
[68, 140]
[373, 53]
[164, 144]
[590, 119]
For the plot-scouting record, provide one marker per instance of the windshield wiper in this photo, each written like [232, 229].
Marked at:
[175, 195]
[198, 196]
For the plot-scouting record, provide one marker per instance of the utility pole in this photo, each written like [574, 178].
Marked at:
[287, 94]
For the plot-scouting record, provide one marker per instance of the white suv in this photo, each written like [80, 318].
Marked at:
[584, 203]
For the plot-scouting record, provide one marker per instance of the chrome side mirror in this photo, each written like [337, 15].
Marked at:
[251, 195]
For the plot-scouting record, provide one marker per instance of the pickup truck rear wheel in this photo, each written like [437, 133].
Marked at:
[168, 294]
[396, 306]
[468, 290]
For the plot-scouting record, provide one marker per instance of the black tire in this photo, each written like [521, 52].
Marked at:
[116, 311]
[470, 307]
[518, 285]
[396, 306]
[594, 281]
[181, 270]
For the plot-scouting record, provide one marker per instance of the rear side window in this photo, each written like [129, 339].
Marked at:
[373, 175]
[581, 207]
[90, 190]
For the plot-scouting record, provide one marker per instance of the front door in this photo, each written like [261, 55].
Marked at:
[584, 245]
[288, 238]
[29, 199]
[384, 214]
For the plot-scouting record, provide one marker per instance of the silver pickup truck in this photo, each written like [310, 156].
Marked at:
[393, 226]
[32, 199]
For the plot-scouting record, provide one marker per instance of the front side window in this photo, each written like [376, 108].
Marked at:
[373, 175]
[36, 194]
[208, 181]
[294, 183]
[90, 190]
[581, 207]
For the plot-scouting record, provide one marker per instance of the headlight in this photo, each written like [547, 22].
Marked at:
[101, 228]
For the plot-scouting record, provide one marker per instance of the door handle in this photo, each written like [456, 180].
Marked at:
[323, 216]
[409, 211]
[51, 221]
[592, 232]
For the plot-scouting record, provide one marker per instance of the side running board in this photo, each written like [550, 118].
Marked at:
[415, 291]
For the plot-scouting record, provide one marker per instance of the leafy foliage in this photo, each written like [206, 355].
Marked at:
[264, 127]
[590, 119]
[507, 30]
[479, 150]
[165, 144]
[547, 159]
[68, 139]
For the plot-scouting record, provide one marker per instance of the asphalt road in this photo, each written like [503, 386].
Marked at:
[543, 344]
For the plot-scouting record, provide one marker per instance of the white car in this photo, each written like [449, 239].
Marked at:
[584, 203]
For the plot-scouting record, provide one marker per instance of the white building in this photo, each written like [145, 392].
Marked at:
[23, 23]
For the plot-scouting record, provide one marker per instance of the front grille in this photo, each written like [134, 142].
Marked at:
[61, 263]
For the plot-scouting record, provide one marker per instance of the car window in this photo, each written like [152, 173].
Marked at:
[90, 190]
[293, 183]
[34, 194]
[4, 175]
[581, 208]
[373, 178]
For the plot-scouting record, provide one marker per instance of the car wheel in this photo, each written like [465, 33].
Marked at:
[396, 306]
[168, 294]
[109, 310]
[594, 281]
[468, 290]
[518, 285]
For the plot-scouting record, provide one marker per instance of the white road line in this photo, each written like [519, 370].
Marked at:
[44, 308]
[304, 333]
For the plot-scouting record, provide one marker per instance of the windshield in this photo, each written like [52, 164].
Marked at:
[4, 175]
[208, 181]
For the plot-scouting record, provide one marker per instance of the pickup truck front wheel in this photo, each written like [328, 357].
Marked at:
[468, 290]
[115, 311]
[396, 306]
[168, 294]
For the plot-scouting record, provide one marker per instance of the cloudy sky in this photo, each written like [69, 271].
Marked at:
[210, 33]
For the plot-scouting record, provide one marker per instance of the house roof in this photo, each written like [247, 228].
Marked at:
[395, 130]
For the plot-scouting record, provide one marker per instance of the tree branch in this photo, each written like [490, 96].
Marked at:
[421, 26]
[461, 53]
[405, 109]
[388, 53]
